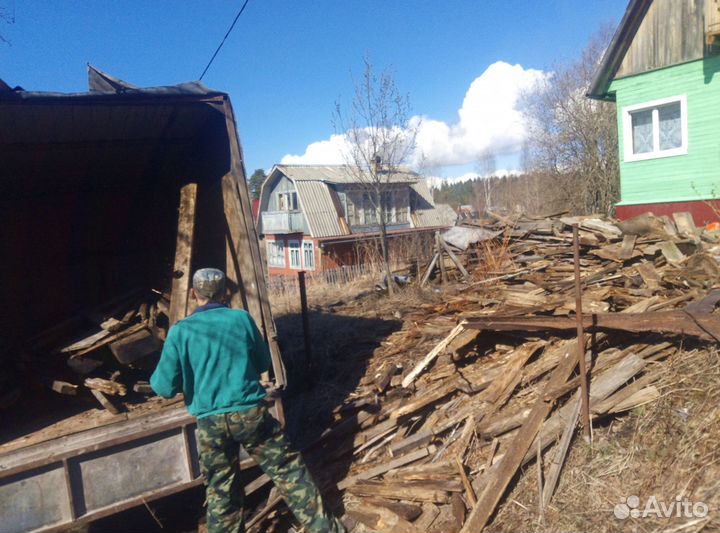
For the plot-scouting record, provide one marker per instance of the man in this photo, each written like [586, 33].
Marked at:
[215, 357]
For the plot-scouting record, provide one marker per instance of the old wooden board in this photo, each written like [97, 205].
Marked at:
[182, 268]
[676, 322]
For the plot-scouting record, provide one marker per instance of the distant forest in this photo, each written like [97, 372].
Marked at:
[533, 193]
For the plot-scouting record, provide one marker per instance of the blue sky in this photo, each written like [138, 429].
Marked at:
[287, 62]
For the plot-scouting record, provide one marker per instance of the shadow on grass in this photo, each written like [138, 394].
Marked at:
[318, 384]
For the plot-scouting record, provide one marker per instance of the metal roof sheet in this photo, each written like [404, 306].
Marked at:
[440, 215]
[340, 174]
[319, 208]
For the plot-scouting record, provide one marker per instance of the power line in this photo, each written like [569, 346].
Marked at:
[224, 39]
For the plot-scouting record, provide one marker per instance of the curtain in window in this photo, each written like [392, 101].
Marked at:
[642, 131]
[670, 126]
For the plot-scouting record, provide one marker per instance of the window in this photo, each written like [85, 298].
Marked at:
[308, 255]
[655, 129]
[369, 211]
[276, 253]
[287, 201]
[294, 247]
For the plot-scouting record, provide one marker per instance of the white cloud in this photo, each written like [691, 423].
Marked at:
[320, 153]
[489, 121]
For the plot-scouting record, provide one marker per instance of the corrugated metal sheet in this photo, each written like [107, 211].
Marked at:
[440, 215]
[422, 189]
[339, 174]
[319, 208]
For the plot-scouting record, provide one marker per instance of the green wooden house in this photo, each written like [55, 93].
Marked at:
[662, 69]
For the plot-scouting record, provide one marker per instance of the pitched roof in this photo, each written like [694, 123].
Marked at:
[612, 59]
[319, 208]
[340, 174]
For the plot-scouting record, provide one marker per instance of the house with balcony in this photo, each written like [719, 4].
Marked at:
[662, 69]
[314, 217]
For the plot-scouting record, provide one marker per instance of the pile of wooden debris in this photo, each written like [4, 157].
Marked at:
[469, 391]
[117, 349]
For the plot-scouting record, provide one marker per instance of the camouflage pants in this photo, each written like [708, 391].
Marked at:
[220, 438]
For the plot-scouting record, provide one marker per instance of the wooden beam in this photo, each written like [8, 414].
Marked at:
[558, 460]
[454, 259]
[381, 469]
[182, 269]
[679, 322]
[430, 357]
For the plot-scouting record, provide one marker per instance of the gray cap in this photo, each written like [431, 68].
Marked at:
[209, 282]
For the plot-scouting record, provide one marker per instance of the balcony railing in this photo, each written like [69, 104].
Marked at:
[282, 221]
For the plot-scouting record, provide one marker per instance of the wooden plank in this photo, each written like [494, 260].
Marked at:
[558, 460]
[381, 469]
[671, 252]
[454, 259]
[606, 405]
[469, 492]
[63, 387]
[670, 322]
[87, 342]
[108, 340]
[685, 224]
[429, 270]
[135, 346]
[649, 275]
[107, 404]
[106, 386]
[626, 249]
[406, 491]
[430, 357]
[426, 398]
[182, 268]
[641, 397]
[245, 271]
[501, 388]
[441, 259]
[499, 479]
[423, 471]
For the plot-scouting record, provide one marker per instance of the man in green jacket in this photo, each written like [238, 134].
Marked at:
[215, 357]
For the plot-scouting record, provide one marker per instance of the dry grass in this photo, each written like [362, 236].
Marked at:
[667, 449]
[494, 259]
[319, 294]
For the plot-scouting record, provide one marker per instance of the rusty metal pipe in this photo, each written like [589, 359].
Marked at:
[581, 337]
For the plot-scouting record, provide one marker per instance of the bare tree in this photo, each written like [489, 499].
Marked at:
[573, 138]
[485, 167]
[380, 138]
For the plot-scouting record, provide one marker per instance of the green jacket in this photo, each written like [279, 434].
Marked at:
[215, 358]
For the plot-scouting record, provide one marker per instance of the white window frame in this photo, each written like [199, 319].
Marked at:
[656, 153]
[295, 245]
[289, 198]
[311, 249]
[274, 258]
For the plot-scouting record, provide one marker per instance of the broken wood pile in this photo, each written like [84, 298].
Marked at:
[469, 391]
[117, 350]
